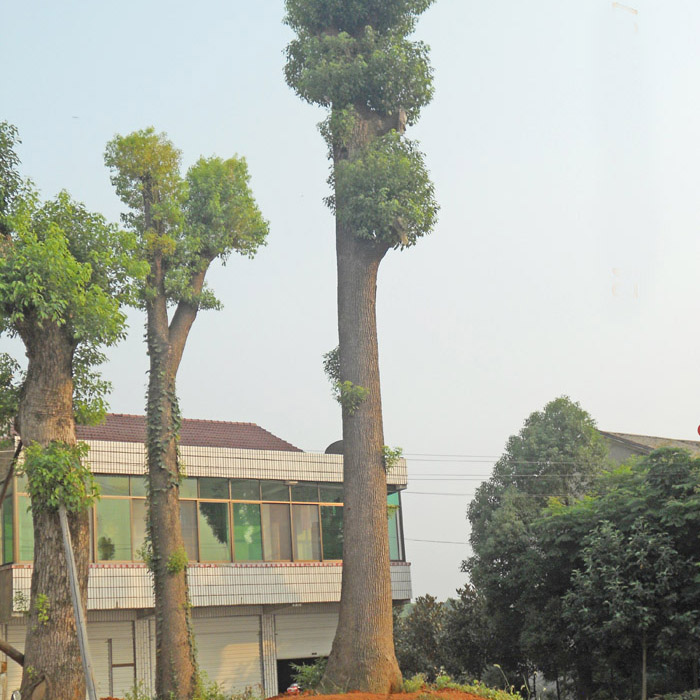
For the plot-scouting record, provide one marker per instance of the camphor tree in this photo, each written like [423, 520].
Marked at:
[355, 58]
[183, 225]
[63, 272]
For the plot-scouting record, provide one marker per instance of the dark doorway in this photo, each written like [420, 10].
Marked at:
[285, 671]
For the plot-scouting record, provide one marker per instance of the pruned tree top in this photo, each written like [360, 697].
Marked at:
[184, 222]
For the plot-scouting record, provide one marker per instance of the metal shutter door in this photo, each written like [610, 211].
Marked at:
[120, 637]
[228, 651]
[304, 636]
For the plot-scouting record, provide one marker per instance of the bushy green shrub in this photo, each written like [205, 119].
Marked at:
[308, 676]
[414, 683]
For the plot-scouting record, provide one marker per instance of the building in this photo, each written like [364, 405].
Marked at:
[623, 446]
[262, 523]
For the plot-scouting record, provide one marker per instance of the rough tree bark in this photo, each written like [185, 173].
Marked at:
[52, 662]
[362, 656]
[176, 667]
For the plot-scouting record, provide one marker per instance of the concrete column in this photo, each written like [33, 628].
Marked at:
[268, 652]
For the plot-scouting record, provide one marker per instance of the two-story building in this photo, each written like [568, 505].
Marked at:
[263, 528]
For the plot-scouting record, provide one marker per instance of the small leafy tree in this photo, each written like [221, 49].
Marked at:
[182, 226]
[63, 273]
[356, 59]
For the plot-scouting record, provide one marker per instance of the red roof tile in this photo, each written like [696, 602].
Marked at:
[122, 427]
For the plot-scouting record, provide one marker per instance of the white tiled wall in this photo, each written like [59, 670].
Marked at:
[125, 586]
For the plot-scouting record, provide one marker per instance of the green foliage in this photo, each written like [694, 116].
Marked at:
[331, 365]
[433, 639]
[383, 72]
[59, 475]
[191, 221]
[355, 58]
[350, 396]
[10, 181]
[444, 682]
[10, 385]
[177, 561]
[385, 193]
[391, 457]
[414, 683]
[20, 602]
[309, 676]
[352, 16]
[557, 454]
[42, 605]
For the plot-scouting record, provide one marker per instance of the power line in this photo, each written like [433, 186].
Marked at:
[410, 539]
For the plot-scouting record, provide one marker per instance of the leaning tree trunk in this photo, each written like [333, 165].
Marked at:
[176, 669]
[362, 657]
[52, 662]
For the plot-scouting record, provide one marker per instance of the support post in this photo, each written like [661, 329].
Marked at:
[80, 623]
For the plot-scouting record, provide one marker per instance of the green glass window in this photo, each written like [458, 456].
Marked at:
[138, 526]
[213, 488]
[113, 485]
[245, 489]
[138, 486]
[307, 533]
[274, 491]
[26, 529]
[277, 541]
[394, 544]
[305, 492]
[113, 530]
[214, 540]
[188, 488]
[7, 530]
[188, 523]
[247, 536]
[332, 528]
[331, 493]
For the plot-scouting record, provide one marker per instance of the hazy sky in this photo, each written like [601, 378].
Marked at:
[564, 145]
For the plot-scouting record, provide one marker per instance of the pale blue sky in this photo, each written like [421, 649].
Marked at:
[563, 141]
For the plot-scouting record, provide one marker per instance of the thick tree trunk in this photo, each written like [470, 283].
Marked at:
[362, 657]
[52, 662]
[176, 669]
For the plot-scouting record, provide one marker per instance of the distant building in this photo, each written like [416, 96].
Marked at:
[622, 446]
[262, 524]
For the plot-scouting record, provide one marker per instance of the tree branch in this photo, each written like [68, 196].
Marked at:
[15, 654]
[10, 472]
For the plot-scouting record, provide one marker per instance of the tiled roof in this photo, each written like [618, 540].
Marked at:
[647, 443]
[122, 427]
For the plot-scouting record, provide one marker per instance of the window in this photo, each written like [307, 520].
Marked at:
[113, 532]
[214, 540]
[7, 529]
[138, 527]
[188, 523]
[332, 528]
[243, 520]
[25, 529]
[247, 533]
[307, 533]
[277, 544]
[393, 505]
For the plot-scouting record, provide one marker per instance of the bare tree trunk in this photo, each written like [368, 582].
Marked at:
[362, 657]
[176, 669]
[52, 662]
